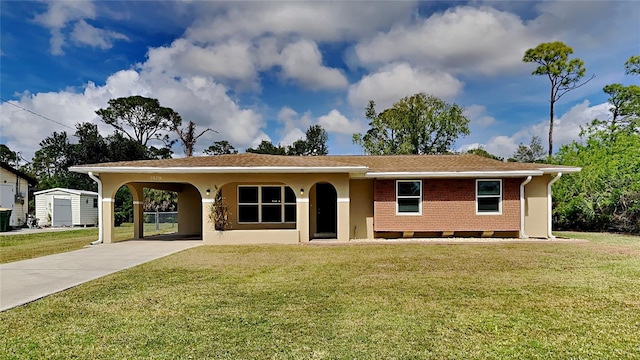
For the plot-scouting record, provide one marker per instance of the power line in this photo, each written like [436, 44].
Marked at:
[36, 114]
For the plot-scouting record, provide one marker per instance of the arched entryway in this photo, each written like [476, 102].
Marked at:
[324, 215]
[183, 222]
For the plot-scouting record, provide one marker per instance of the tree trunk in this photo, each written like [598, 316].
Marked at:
[551, 126]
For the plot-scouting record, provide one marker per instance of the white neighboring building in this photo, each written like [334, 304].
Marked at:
[66, 207]
[14, 193]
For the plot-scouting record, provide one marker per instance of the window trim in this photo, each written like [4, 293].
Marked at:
[283, 204]
[499, 212]
[419, 197]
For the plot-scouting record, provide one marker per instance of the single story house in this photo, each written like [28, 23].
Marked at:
[14, 193]
[66, 207]
[291, 199]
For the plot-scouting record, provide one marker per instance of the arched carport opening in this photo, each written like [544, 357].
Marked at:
[183, 223]
[323, 217]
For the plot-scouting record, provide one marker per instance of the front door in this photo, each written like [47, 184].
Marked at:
[326, 209]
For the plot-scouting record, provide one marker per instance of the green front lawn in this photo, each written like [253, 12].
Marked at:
[531, 301]
[27, 246]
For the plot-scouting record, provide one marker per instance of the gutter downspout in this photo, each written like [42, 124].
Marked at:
[523, 235]
[100, 225]
[549, 207]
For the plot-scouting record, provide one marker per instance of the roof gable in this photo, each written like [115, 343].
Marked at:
[69, 191]
[19, 173]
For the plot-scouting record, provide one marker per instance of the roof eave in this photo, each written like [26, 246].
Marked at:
[564, 170]
[219, 170]
[452, 174]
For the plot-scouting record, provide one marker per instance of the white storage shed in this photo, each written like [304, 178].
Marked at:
[66, 207]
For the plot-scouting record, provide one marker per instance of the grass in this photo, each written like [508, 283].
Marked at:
[27, 246]
[505, 301]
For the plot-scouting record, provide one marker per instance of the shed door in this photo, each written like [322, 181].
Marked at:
[7, 200]
[61, 212]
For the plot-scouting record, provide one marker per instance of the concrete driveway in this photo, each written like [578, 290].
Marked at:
[24, 281]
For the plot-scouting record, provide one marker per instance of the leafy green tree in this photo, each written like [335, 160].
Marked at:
[92, 148]
[51, 162]
[140, 118]
[188, 137]
[222, 147]
[160, 200]
[122, 148]
[266, 147]
[315, 143]
[482, 152]
[417, 124]
[605, 195]
[532, 153]
[9, 157]
[632, 66]
[563, 73]
[625, 105]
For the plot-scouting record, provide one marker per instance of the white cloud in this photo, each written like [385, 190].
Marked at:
[462, 39]
[196, 99]
[477, 115]
[60, 14]
[87, 34]
[232, 60]
[302, 62]
[293, 126]
[292, 136]
[396, 81]
[335, 122]
[466, 147]
[314, 20]
[565, 130]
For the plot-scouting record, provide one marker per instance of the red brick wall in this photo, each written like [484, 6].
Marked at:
[447, 205]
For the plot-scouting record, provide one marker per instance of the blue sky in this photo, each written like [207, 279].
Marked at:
[269, 70]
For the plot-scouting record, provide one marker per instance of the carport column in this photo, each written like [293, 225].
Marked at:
[107, 220]
[208, 230]
[302, 217]
[343, 219]
[138, 219]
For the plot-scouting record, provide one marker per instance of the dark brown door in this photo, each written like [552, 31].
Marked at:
[326, 208]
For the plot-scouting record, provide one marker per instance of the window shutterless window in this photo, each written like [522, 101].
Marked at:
[264, 204]
[408, 197]
[489, 197]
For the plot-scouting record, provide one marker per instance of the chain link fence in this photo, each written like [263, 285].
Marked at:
[160, 222]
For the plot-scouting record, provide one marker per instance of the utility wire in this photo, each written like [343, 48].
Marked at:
[36, 114]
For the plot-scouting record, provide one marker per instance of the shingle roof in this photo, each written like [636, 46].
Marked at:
[233, 160]
[339, 163]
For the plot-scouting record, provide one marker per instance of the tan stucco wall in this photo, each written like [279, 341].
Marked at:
[535, 207]
[241, 237]
[175, 182]
[361, 212]
[189, 211]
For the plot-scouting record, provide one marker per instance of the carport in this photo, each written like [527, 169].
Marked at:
[272, 199]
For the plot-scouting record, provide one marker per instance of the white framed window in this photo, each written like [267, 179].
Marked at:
[489, 197]
[408, 197]
[273, 204]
